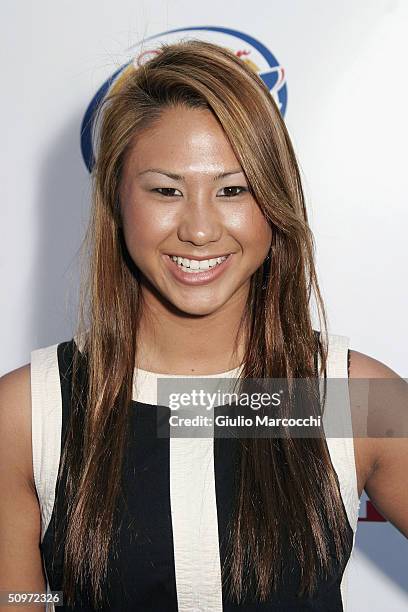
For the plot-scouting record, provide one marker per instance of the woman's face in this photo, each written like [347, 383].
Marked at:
[175, 201]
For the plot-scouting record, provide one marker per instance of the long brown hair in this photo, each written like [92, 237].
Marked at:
[287, 481]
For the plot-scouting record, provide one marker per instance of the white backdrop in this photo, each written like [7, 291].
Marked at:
[345, 70]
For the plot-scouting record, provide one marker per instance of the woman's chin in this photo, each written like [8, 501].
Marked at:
[199, 304]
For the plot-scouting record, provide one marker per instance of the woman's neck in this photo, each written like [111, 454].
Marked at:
[173, 343]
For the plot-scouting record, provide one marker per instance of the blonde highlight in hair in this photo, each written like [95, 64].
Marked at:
[290, 483]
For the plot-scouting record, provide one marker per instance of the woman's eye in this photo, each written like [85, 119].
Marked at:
[164, 191]
[232, 195]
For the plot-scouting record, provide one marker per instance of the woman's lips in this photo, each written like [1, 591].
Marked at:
[196, 278]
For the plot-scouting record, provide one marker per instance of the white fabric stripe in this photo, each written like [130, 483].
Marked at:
[46, 423]
[342, 448]
[195, 525]
[46, 427]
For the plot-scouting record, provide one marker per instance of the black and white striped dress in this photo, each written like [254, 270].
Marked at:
[179, 493]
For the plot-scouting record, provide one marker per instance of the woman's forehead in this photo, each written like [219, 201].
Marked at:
[192, 143]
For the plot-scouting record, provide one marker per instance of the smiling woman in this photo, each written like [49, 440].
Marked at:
[199, 261]
[202, 212]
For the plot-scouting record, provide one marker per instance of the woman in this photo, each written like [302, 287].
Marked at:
[194, 170]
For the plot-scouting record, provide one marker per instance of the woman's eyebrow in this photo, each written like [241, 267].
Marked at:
[178, 177]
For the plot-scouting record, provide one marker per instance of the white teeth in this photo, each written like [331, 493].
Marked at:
[190, 265]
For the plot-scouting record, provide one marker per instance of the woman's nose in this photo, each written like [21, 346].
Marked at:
[200, 222]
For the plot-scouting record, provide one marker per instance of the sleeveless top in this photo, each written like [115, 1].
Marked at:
[178, 493]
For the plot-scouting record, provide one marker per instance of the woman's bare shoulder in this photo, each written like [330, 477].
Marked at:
[364, 366]
[15, 421]
[20, 517]
[384, 448]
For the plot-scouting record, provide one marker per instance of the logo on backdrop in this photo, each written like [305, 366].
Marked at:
[368, 512]
[254, 53]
